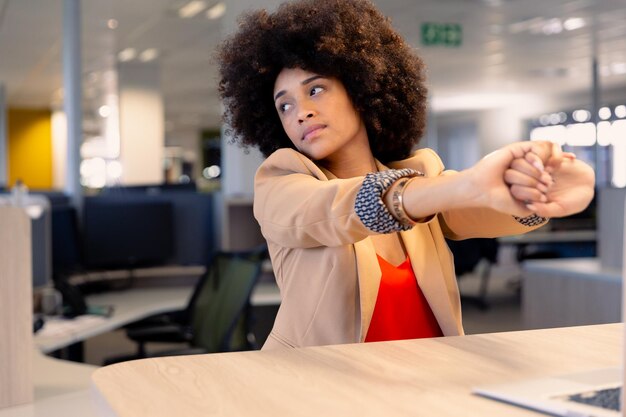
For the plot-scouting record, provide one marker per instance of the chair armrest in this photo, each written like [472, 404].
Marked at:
[167, 333]
[179, 352]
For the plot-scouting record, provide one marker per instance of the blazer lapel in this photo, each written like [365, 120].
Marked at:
[425, 263]
[369, 274]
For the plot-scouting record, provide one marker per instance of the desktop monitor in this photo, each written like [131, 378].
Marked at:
[151, 189]
[127, 233]
[66, 248]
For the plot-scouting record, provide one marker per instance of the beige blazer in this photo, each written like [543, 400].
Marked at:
[325, 262]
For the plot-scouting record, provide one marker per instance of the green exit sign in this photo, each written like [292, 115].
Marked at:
[442, 34]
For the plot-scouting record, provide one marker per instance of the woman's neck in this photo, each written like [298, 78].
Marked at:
[354, 160]
[352, 166]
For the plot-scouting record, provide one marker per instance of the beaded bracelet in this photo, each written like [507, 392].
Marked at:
[398, 202]
[532, 220]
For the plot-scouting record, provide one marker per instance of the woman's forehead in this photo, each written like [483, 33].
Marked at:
[288, 76]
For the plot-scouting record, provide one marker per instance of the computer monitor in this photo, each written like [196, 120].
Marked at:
[150, 189]
[127, 233]
[66, 241]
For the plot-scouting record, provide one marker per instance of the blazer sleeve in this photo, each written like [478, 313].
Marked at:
[298, 206]
[469, 222]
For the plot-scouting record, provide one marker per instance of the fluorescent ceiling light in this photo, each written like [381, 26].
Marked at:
[574, 23]
[580, 134]
[127, 54]
[554, 134]
[480, 101]
[552, 27]
[582, 115]
[104, 111]
[618, 68]
[604, 113]
[191, 9]
[217, 11]
[605, 133]
[148, 55]
[112, 24]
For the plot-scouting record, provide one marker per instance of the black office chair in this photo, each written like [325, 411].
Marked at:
[218, 316]
[469, 255]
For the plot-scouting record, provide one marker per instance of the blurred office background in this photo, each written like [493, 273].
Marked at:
[109, 110]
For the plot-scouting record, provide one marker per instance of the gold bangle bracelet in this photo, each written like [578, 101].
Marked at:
[398, 201]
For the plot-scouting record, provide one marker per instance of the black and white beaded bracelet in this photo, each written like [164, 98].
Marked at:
[532, 220]
[369, 205]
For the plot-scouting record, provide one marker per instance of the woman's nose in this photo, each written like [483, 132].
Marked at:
[305, 114]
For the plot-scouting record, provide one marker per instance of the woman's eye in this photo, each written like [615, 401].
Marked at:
[284, 107]
[316, 90]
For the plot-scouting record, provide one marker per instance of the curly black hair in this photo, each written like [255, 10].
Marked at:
[346, 39]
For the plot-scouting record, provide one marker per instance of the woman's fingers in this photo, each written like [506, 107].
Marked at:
[515, 177]
[556, 158]
[545, 209]
[525, 168]
[527, 194]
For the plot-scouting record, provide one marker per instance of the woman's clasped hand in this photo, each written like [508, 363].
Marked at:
[533, 177]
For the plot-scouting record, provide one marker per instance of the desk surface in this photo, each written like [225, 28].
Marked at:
[415, 377]
[129, 306]
[62, 389]
[550, 236]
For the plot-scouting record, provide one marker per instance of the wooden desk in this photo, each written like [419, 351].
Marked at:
[61, 389]
[406, 378]
[129, 306]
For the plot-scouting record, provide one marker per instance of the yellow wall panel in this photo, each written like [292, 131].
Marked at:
[30, 147]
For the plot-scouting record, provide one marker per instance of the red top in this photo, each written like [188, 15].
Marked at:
[401, 310]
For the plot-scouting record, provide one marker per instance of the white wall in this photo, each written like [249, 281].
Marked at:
[141, 124]
[239, 167]
[59, 149]
[459, 145]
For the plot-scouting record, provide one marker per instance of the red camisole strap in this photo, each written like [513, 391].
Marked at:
[401, 310]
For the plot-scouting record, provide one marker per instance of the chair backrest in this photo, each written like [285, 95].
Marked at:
[218, 306]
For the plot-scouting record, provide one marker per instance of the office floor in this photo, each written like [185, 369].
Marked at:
[504, 313]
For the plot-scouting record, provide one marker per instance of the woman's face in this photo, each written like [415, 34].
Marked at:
[317, 114]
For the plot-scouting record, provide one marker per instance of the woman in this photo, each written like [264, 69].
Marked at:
[355, 222]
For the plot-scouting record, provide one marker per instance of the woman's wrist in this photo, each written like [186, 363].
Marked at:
[397, 200]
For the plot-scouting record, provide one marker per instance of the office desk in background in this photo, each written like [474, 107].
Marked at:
[570, 292]
[432, 377]
[129, 306]
[550, 236]
[571, 239]
[62, 388]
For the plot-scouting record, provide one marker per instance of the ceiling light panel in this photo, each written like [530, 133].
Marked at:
[149, 54]
[216, 11]
[127, 54]
[191, 9]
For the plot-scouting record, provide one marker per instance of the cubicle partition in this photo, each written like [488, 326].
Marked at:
[611, 226]
[16, 343]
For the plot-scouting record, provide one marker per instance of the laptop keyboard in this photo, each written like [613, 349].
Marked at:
[605, 398]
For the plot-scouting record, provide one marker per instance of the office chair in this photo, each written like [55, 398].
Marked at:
[217, 318]
[475, 255]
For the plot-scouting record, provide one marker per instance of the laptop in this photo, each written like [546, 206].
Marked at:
[592, 393]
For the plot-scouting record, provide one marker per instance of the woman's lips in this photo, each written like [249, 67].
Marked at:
[311, 131]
